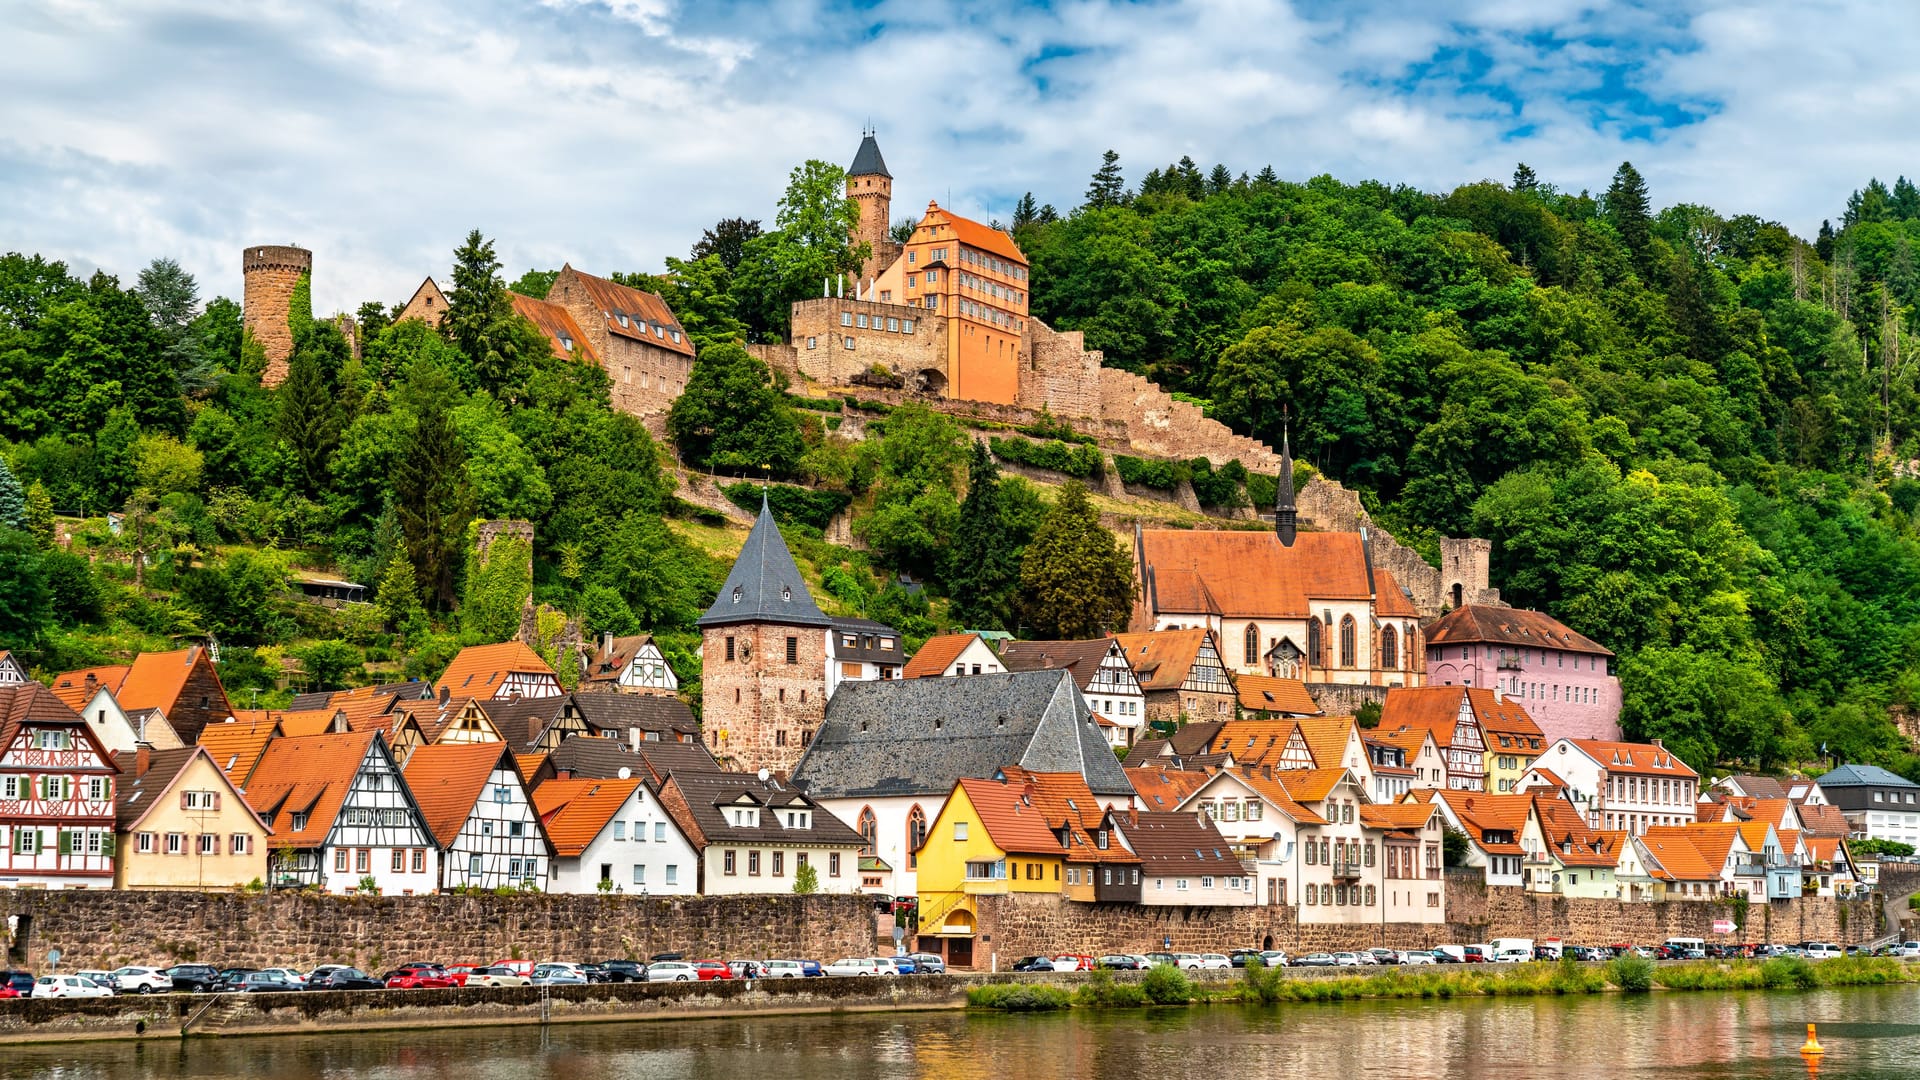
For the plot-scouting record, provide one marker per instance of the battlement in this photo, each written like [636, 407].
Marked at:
[277, 257]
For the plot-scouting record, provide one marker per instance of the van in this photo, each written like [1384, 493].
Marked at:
[1820, 950]
[1510, 944]
[1686, 948]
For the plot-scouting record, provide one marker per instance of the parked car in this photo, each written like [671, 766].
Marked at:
[1120, 962]
[867, 965]
[1821, 950]
[229, 978]
[594, 972]
[1025, 963]
[710, 970]
[1417, 957]
[671, 971]
[812, 969]
[290, 975]
[1908, 949]
[103, 979]
[193, 978]
[1167, 958]
[1584, 953]
[518, 967]
[458, 974]
[928, 964]
[557, 974]
[1274, 958]
[784, 969]
[346, 978]
[1512, 956]
[497, 976]
[1385, 957]
[264, 982]
[624, 970]
[1072, 962]
[1242, 957]
[1318, 959]
[16, 984]
[419, 978]
[1213, 961]
[901, 965]
[1186, 961]
[746, 969]
[1346, 959]
[141, 980]
[68, 986]
[1473, 954]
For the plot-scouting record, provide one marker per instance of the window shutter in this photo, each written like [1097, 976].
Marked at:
[66, 842]
[106, 844]
[216, 800]
[183, 801]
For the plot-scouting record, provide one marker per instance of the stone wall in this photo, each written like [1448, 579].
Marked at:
[1343, 699]
[1022, 925]
[819, 336]
[104, 929]
[1057, 373]
[1158, 425]
[268, 277]
[758, 711]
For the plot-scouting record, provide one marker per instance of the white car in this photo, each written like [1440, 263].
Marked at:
[68, 986]
[1512, 956]
[102, 979]
[1816, 950]
[855, 965]
[287, 974]
[1416, 958]
[1907, 949]
[1213, 961]
[1186, 961]
[1346, 959]
[785, 969]
[1274, 957]
[672, 971]
[141, 980]
[887, 964]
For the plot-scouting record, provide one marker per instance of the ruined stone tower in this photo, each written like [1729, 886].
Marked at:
[870, 185]
[270, 275]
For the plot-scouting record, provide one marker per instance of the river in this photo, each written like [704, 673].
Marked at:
[1867, 1032]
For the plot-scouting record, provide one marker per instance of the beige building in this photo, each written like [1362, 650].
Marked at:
[181, 824]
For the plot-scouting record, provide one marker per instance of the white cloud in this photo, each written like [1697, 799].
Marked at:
[609, 132]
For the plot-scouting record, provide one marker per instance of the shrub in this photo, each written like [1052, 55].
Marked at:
[1079, 462]
[368, 886]
[1632, 973]
[825, 405]
[1788, 971]
[1167, 985]
[789, 504]
[1018, 997]
[1046, 427]
[1220, 487]
[1102, 992]
[1164, 475]
[1263, 984]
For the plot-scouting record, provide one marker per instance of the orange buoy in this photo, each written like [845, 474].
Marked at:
[1812, 1045]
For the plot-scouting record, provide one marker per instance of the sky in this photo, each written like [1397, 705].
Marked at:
[608, 133]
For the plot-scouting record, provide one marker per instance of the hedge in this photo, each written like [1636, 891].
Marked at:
[1076, 461]
[1221, 488]
[1165, 475]
[790, 505]
[825, 405]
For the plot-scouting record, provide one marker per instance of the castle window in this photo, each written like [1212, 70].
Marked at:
[860, 321]
[933, 302]
[626, 374]
[813, 343]
[886, 296]
[846, 318]
[793, 650]
[893, 325]
[849, 343]
[1389, 648]
[906, 326]
[1346, 641]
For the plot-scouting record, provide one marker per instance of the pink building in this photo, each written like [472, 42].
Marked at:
[1563, 679]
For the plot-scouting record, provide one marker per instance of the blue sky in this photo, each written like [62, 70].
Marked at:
[609, 132]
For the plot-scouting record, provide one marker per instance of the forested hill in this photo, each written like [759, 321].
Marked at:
[1689, 433]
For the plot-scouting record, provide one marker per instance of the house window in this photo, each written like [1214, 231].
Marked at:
[619, 830]
[813, 343]
[727, 863]
[906, 326]
[399, 860]
[97, 789]
[779, 864]
[339, 860]
[849, 344]
[959, 830]
[860, 321]
[176, 843]
[240, 844]
[846, 318]
[362, 860]
[659, 832]
[143, 843]
[673, 874]
[1205, 882]
[209, 843]
[753, 864]
[833, 864]
[793, 650]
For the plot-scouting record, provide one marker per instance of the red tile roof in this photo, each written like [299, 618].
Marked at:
[974, 234]
[1162, 659]
[1007, 811]
[1253, 742]
[1823, 820]
[73, 688]
[556, 323]
[936, 655]
[155, 680]
[1165, 789]
[1172, 844]
[574, 811]
[447, 780]
[479, 669]
[311, 775]
[1509, 626]
[1264, 693]
[1620, 757]
[1482, 813]
[1254, 575]
[644, 310]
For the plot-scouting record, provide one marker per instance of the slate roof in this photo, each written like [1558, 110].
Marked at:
[936, 654]
[867, 160]
[1865, 776]
[700, 809]
[1174, 844]
[919, 736]
[862, 630]
[447, 780]
[1082, 658]
[1265, 693]
[587, 757]
[616, 713]
[520, 721]
[764, 585]
[1510, 626]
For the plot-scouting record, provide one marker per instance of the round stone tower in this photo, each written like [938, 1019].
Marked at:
[270, 275]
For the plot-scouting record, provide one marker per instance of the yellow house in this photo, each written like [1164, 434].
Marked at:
[181, 824]
[989, 838]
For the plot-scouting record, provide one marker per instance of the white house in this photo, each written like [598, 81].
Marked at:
[953, 654]
[617, 832]
[342, 816]
[633, 664]
[859, 650]
[1621, 786]
[476, 803]
[754, 835]
[122, 732]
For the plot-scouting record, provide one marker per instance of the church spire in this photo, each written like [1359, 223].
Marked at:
[1283, 509]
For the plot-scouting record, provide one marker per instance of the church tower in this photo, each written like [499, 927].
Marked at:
[1285, 516]
[871, 186]
[764, 658]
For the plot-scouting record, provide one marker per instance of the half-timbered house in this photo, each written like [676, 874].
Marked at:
[476, 803]
[12, 672]
[342, 817]
[506, 670]
[1101, 669]
[633, 665]
[56, 794]
[1181, 674]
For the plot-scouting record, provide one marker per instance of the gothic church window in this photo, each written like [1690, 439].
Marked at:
[1389, 647]
[1346, 641]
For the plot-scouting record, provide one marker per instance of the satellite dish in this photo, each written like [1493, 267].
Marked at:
[626, 773]
[763, 775]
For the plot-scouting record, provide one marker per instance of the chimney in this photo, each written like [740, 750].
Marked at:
[142, 759]
[606, 642]
[445, 692]
[1499, 696]
[633, 739]
[93, 682]
[1659, 744]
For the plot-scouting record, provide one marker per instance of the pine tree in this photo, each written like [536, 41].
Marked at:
[983, 568]
[1192, 184]
[398, 597]
[40, 514]
[1266, 178]
[431, 491]
[1025, 211]
[1628, 209]
[1075, 580]
[480, 319]
[1823, 244]
[1523, 178]
[1108, 188]
[308, 422]
[1219, 181]
[1906, 200]
[13, 499]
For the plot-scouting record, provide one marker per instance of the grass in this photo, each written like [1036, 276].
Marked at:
[1264, 986]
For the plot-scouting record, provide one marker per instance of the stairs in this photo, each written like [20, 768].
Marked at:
[209, 1018]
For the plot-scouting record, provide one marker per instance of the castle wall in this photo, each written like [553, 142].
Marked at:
[822, 327]
[269, 275]
[646, 378]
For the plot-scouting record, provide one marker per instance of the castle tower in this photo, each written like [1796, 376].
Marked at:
[763, 658]
[871, 186]
[270, 275]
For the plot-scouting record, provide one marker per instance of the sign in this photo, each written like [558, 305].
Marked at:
[1723, 926]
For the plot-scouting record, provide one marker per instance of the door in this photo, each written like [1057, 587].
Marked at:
[960, 952]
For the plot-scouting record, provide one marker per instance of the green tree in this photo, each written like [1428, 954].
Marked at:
[731, 418]
[700, 293]
[13, 499]
[1523, 179]
[1108, 187]
[308, 421]
[241, 599]
[806, 880]
[75, 591]
[172, 300]
[810, 244]
[164, 465]
[431, 492]
[983, 565]
[916, 464]
[26, 602]
[38, 520]
[726, 241]
[1075, 580]
[330, 665]
[535, 283]
[498, 343]
[1630, 212]
[398, 598]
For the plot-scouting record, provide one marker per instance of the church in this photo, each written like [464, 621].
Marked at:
[1298, 605]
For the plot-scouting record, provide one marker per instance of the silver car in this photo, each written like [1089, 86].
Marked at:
[672, 971]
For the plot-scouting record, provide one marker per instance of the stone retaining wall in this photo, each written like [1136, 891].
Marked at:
[103, 929]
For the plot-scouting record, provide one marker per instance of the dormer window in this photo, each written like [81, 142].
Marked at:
[675, 335]
[566, 343]
[623, 320]
[736, 594]
[786, 592]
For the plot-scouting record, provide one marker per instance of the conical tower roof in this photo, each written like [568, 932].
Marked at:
[868, 161]
[764, 585]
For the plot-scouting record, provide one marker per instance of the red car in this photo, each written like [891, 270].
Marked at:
[457, 974]
[420, 978]
[710, 970]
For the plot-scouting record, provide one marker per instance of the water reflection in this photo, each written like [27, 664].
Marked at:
[1868, 1033]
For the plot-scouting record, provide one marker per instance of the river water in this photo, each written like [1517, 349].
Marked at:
[1867, 1033]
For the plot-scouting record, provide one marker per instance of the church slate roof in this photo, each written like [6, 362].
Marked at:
[921, 736]
[764, 585]
[868, 162]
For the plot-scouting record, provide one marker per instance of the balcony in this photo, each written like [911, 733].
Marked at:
[1347, 869]
[1508, 662]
